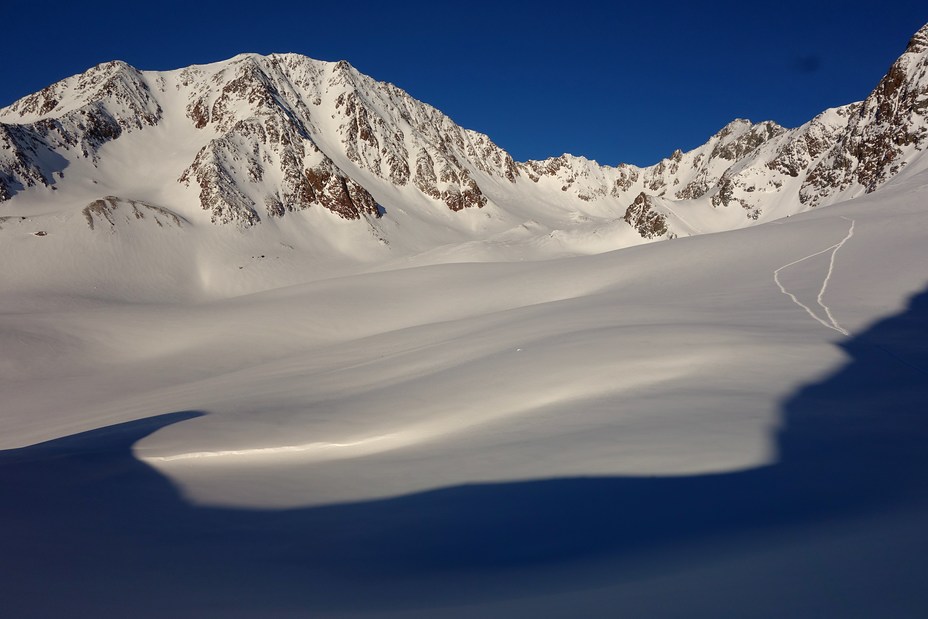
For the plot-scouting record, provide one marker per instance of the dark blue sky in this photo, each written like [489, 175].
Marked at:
[609, 81]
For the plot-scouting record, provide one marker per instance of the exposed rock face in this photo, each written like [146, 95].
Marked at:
[304, 115]
[338, 193]
[220, 192]
[401, 140]
[21, 161]
[276, 135]
[643, 217]
[887, 126]
[72, 118]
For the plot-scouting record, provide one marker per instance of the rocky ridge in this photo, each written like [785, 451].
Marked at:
[284, 133]
[109, 211]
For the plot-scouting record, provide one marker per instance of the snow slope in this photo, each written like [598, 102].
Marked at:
[347, 373]
[488, 439]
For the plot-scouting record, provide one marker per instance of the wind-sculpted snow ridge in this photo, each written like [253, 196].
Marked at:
[257, 138]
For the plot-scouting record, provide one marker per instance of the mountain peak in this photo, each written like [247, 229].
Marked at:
[918, 44]
[342, 65]
[737, 125]
[115, 82]
[889, 128]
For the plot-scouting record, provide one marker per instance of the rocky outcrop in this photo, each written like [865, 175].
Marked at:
[645, 218]
[326, 185]
[24, 161]
[388, 133]
[108, 212]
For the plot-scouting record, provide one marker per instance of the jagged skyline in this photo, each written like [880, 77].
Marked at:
[508, 71]
[264, 136]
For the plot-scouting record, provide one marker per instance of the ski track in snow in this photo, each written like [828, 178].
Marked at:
[831, 323]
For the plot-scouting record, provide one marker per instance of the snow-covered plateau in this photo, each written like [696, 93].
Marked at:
[278, 340]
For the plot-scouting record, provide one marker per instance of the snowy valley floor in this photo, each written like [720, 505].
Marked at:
[724, 425]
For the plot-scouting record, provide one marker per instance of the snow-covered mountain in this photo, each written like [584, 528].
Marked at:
[263, 135]
[256, 139]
